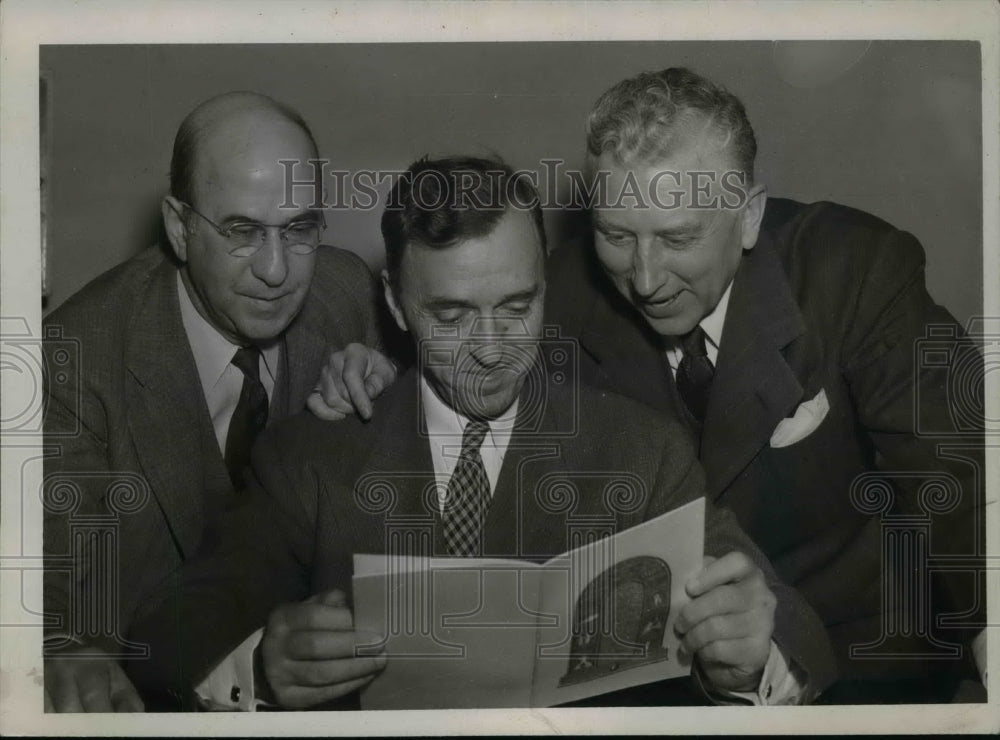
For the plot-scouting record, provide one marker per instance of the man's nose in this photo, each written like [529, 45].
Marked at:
[486, 339]
[649, 269]
[270, 264]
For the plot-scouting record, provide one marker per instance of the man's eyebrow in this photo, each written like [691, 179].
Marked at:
[521, 295]
[439, 303]
[605, 225]
[305, 216]
[683, 230]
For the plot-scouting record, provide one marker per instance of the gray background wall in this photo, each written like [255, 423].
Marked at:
[897, 134]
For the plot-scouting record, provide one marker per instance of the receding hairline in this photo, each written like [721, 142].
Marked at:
[230, 106]
[216, 114]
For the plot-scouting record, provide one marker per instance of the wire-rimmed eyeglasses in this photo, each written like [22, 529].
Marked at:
[247, 237]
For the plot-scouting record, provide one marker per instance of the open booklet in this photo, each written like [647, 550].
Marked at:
[468, 632]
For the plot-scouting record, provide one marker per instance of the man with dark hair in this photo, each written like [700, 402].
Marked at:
[414, 206]
[785, 335]
[183, 357]
[264, 613]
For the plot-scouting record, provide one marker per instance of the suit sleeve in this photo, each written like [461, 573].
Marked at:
[345, 288]
[254, 558]
[917, 383]
[798, 630]
[77, 480]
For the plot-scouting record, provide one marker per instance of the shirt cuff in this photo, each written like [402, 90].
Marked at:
[779, 684]
[230, 685]
[979, 654]
[61, 639]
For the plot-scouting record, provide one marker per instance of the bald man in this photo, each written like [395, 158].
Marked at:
[184, 355]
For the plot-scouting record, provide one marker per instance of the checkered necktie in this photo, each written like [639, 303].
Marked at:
[249, 417]
[468, 495]
[695, 373]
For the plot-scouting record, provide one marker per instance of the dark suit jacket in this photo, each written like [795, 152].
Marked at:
[130, 434]
[829, 299]
[324, 492]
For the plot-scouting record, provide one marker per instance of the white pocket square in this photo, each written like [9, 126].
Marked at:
[802, 423]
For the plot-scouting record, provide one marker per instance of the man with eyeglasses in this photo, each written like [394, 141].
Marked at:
[184, 356]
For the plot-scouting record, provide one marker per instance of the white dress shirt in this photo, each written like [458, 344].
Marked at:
[445, 427]
[221, 381]
[712, 326]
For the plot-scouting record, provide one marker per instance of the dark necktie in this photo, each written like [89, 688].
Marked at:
[468, 495]
[249, 417]
[694, 374]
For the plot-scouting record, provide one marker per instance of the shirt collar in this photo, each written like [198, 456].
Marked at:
[443, 421]
[713, 323]
[212, 351]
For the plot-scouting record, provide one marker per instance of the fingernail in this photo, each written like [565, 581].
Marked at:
[381, 659]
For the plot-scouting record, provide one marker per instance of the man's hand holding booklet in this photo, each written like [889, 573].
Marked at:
[466, 632]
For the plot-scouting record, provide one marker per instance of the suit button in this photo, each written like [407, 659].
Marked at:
[234, 695]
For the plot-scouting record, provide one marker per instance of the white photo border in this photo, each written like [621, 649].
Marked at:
[27, 24]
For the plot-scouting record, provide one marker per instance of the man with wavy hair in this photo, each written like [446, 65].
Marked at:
[784, 335]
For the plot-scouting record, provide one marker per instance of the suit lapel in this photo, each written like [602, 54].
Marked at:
[629, 356]
[167, 415]
[305, 346]
[754, 388]
[403, 455]
[515, 525]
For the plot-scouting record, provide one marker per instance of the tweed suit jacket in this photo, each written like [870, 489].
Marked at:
[132, 445]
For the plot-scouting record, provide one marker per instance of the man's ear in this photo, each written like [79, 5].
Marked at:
[753, 213]
[392, 301]
[173, 224]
